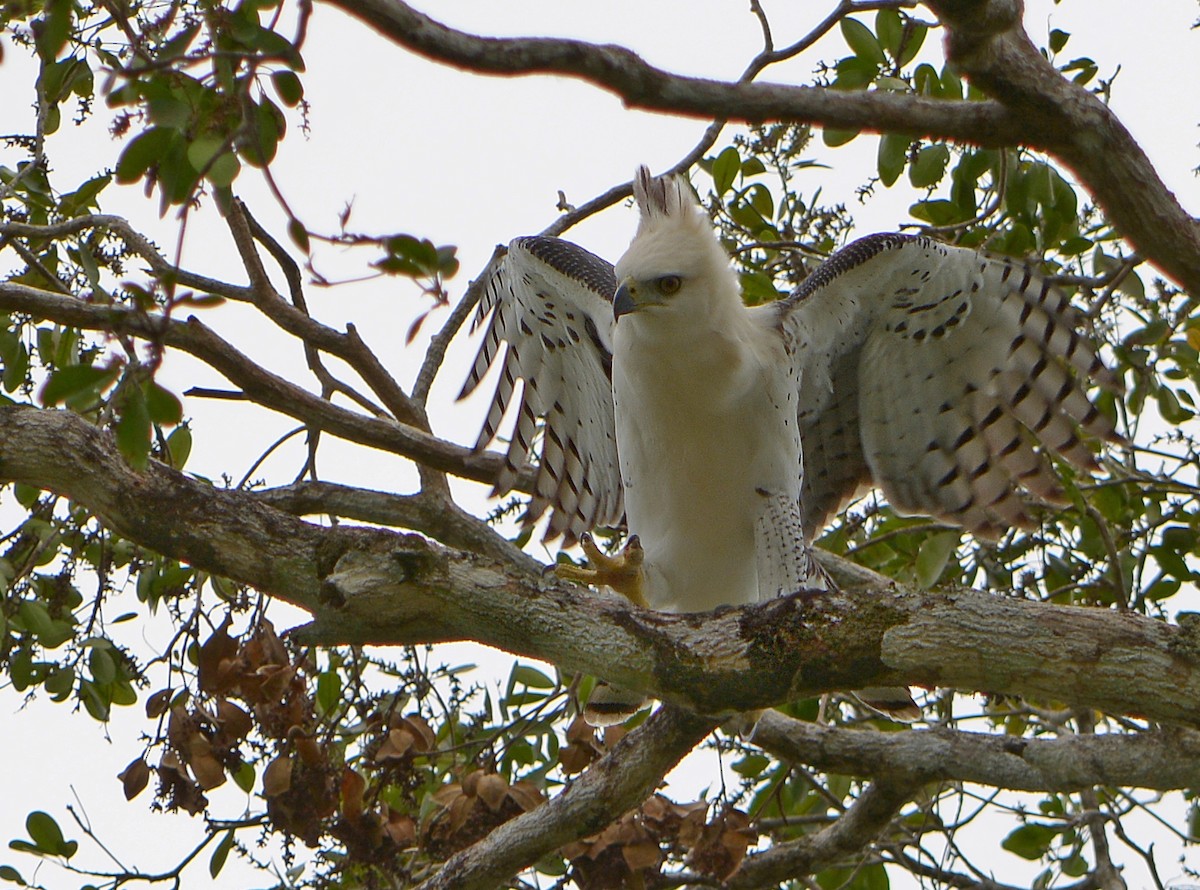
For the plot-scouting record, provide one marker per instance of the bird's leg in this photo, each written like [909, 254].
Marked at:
[623, 572]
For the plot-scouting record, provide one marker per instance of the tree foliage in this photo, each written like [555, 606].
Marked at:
[384, 766]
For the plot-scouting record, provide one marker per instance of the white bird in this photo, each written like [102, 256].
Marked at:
[727, 435]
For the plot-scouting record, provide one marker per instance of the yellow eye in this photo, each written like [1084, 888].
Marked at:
[669, 284]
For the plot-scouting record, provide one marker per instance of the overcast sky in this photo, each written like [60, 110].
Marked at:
[475, 161]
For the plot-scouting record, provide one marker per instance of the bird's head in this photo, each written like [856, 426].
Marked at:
[675, 263]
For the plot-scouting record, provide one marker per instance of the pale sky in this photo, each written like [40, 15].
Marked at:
[475, 161]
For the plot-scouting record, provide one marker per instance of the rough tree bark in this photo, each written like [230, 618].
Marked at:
[373, 586]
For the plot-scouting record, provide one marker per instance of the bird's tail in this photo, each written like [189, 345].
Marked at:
[895, 702]
[610, 705]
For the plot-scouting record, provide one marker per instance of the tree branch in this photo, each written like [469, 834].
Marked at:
[259, 385]
[1032, 104]
[1163, 759]
[854, 829]
[432, 516]
[641, 85]
[621, 780]
[371, 586]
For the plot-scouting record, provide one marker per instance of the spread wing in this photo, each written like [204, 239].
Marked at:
[550, 329]
[944, 377]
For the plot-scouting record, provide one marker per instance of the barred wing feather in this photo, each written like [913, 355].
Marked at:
[943, 376]
[548, 310]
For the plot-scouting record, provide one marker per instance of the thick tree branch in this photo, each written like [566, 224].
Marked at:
[1163, 759]
[1031, 104]
[621, 780]
[641, 85]
[371, 586]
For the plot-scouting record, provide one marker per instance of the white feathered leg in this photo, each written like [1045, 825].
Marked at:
[786, 564]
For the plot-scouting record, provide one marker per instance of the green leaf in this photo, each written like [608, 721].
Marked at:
[133, 429]
[725, 169]
[163, 405]
[143, 152]
[178, 44]
[860, 39]
[934, 553]
[289, 88]
[168, 110]
[76, 380]
[224, 170]
[893, 154]
[937, 212]
[179, 446]
[1058, 39]
[1075, 867]
[298, 234]
[102, 666]
[1085, 70]
[833, 138]
[531, 677]
[751, 765]
[10, 874]
[914, 40]
[16, 368]
[1030, 841]
[220, 854]
[329, 690]
[203, 149]
[26, 494]
[60, 682]
[854, 73]
[243, 777]
[45, 833]
[929, 166]
[889, 28]
[53, 28]
[35, 617]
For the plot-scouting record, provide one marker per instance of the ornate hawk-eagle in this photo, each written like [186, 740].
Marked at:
[727, 435]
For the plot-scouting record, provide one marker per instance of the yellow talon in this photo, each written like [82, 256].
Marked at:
[622, 573]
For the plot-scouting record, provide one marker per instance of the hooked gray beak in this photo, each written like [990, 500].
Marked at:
[623, 302]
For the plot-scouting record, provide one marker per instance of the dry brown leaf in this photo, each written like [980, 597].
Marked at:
[205, 767]
[134, 778]
[401, 829]
[308, 748]
[235, 722]
[424, 736]
[352, 788]
[277, 777]
[580, 731]
[157, 704]
[275, 680]
[526, 795]
[216, 655]
[492, 789]
[641, 855]
[396, 745]
[460, 811]
[722, 845]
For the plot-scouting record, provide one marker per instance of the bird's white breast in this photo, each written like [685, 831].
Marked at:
[706, 422]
